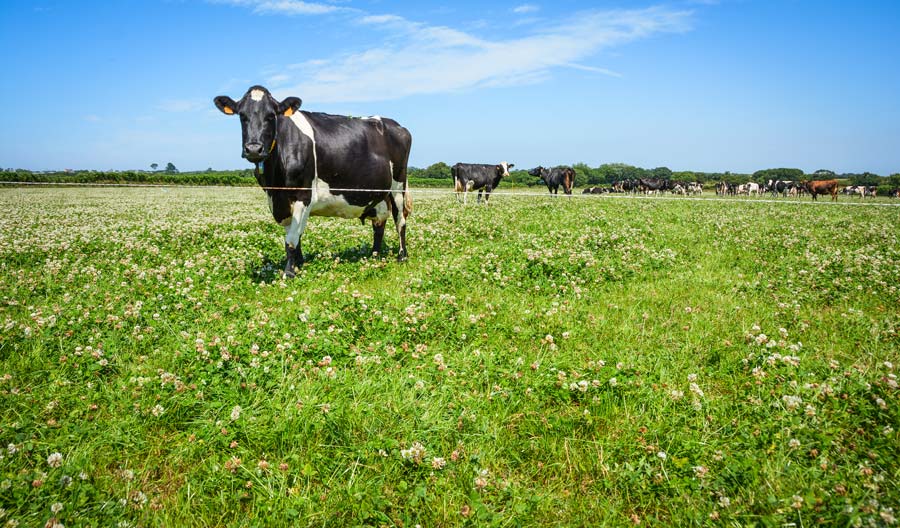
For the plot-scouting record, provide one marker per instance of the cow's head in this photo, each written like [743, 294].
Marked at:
[537, 172]
[503, 169]
[258, 111]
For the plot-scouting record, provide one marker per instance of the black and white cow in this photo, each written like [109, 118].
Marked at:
[478, 177]
[556, 177]
[311, 163]
[776, 187]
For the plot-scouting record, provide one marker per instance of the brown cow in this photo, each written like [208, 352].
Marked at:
[817, 187]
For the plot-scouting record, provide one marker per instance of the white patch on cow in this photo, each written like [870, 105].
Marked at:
[327, 204]
[375, 117]
[301, 211]
[505, 166]
[257, 95]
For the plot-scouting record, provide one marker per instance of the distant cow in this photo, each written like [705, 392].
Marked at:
[777, 187]
[854, 189]
[817, 187]
[653, 185]
[310, 163]
[556, 177]
[478, 177]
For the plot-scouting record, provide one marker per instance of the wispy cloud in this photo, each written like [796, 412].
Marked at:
[286, 7]
[525, 8]
[419, 58]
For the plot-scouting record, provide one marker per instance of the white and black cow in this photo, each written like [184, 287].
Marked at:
[556, 177]
[478, 177]
[311, 163]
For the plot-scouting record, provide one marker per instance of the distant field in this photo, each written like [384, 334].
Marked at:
[569, 362]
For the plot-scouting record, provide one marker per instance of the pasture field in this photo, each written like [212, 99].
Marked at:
[563, 362]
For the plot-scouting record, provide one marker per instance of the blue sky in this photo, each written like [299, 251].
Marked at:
[705, 85]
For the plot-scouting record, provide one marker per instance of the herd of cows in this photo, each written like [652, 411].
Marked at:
[317, 164]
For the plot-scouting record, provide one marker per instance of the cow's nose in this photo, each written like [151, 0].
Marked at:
[253, 149]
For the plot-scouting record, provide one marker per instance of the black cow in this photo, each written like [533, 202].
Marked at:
[555, 177]
[654, 185]
[476, 176]
[311, 163]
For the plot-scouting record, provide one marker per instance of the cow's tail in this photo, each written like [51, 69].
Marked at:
[407, 200]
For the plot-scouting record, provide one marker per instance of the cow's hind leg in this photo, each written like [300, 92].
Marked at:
[378, 222]
[401, 207]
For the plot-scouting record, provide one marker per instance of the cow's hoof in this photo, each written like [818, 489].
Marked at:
[291, 272]
[402, 257]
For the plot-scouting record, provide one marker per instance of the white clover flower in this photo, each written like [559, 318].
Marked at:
[235, 412]
[613, 382]
[797, 502]
[55, 460]
[12, 449]
[791, 402]
[56, 507]
[676, 394]
[692, 377]
[696, 389]
[157, 410]
[724, 502]
[794, 443]
[438, 463]
[662, 455]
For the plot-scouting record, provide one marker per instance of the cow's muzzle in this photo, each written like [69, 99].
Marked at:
[254, 152]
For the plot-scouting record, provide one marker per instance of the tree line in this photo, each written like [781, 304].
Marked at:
[438, 175]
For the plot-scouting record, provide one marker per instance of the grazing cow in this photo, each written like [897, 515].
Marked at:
[478, 177]
[894, 193]
[555, 177]
[872, 191]
[694, 188]
[310, 163]
[855, 189]
[777, 187]
[817, 187]
[723, 188]
[623, 186]
[652, 185]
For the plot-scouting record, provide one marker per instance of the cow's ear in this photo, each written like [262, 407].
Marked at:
[289, 106]
[511, 165]
[225, 104]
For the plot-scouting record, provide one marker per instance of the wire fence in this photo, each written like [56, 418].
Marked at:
[825, 200]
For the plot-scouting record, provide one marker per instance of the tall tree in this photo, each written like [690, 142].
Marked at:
[170, 168]
[154, 166]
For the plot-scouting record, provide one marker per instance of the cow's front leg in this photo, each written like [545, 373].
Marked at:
[378, 232]
[292, 234]
[294, 260]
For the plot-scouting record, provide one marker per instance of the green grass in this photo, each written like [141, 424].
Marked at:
[564, 362]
